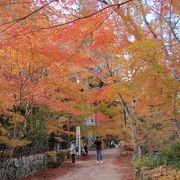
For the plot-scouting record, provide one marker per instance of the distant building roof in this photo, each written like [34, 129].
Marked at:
[59, 139]
[99, 117]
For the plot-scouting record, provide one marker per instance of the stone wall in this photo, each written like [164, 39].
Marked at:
[22, 167]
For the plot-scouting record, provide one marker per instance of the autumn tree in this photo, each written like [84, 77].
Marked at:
[53, 51]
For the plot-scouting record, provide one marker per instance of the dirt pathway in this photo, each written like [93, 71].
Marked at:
[114, 167]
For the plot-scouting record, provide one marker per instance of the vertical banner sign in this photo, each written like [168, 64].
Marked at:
[78, 140]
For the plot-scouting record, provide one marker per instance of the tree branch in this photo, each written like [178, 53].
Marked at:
[168, 22]
[100, 23]
[103, 1]
[22, 18]
[69, 22]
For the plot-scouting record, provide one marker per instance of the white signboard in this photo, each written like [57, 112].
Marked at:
[78, 140]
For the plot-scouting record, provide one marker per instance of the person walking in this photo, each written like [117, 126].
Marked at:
[98, 144]
[73, 152]
[86, 148]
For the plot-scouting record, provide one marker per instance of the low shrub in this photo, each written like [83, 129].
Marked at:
[145, 161]
[62, 155]
[170, 155]
[54, 158]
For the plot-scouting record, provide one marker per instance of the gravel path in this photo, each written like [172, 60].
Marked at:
[91, 170]
[114, 167]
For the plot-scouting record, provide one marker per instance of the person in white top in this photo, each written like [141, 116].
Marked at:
[73, 152]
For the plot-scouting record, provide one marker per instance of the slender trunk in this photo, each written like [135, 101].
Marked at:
[20, 97]
[139, 151]
[176, 112]
[134, 138]
[132, 119]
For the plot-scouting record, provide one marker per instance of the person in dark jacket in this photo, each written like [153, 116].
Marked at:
[86, 148]
[98, 144]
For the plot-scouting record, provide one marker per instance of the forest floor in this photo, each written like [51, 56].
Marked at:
[116, 166]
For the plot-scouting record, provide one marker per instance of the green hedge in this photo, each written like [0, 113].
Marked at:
[169, 156]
